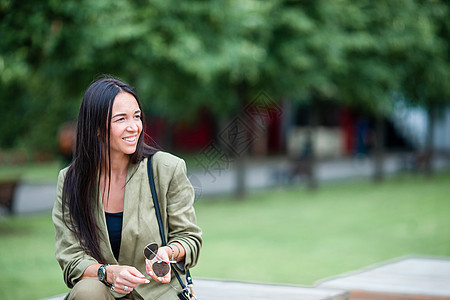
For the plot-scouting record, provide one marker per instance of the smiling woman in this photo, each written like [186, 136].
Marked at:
[103, 213]
[125, 131]
[126, 125]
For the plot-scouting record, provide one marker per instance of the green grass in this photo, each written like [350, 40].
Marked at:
[283, 236]
[33, 172]
[28, 266]
[294, 236]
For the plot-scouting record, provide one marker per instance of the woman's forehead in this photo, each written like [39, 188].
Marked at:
[124, 102]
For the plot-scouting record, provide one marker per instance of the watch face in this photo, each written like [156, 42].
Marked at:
[101, 273]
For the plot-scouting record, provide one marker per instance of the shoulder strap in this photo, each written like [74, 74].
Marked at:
[155, 199]
[158, 216]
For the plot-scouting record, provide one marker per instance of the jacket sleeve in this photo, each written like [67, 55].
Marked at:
[181, 215]
[71, 257]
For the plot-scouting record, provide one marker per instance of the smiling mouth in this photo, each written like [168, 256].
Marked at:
[130, 139]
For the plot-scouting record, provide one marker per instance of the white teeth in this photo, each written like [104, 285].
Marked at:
[130, 139]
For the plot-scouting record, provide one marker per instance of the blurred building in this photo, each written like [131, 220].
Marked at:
[339, 131]
[442, 132]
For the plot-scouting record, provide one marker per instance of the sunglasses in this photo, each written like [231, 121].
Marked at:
[160, 267]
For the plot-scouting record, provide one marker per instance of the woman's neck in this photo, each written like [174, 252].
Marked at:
[112, 184]
[119, 166]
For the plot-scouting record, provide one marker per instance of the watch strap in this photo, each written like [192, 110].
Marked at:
[101, 274]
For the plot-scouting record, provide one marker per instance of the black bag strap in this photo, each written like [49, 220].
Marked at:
[158, 216]
[155, 199]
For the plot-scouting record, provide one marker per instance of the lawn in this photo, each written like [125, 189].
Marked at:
[294, 236]
[33, 173]
[286, 235]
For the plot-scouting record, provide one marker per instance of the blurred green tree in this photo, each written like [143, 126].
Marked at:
[360, 53]
[182, 56]
[427, 73]
[49, 52]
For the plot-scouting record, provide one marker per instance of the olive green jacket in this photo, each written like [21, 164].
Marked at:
[140, 226]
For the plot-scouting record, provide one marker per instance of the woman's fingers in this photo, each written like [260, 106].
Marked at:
[122, 289]
[166, 278]
[126, 278]
[158, 271]
[148, 267]
[137, 276]
[131, 277]
[159, 267]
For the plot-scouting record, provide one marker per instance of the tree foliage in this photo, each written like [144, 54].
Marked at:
[182, 56]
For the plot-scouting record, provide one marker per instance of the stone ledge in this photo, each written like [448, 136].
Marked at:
[210, 289]
[219, 289]
[410, 277]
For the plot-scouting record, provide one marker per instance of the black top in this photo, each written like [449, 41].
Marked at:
[114, 224]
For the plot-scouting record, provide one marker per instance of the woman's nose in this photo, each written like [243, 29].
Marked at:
[133, 126]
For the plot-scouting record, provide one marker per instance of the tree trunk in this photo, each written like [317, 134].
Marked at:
[240, 146]
[168, 141]
[379, 149]
[429, 147]
[313, 122]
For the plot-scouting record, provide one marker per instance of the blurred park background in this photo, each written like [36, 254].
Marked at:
[316, 133]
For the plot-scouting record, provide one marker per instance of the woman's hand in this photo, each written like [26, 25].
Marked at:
[124, 278]
[164, 254]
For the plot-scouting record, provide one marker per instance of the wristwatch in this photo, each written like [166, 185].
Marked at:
[101, 274]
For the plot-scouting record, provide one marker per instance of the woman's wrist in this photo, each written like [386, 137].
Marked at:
[172, 253]
[110, 274]
[178, 251]
[177, 246]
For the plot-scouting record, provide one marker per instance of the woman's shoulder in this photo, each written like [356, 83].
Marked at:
[166, 159]
[163, 163]
[62, 173]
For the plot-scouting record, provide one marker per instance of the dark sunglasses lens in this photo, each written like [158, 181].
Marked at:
[150, 251]
[161, 268]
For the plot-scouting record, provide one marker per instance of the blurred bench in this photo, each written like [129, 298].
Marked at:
[415, 278]
[7, 190]
[416, 161]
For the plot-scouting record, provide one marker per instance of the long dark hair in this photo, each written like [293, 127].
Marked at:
[92, 158]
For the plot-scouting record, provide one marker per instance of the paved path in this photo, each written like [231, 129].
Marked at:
[34, 197]
[260, 174]
[222, 290]
[208, 289]
[413, 277]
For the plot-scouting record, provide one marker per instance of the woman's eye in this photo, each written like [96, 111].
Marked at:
[137, 117]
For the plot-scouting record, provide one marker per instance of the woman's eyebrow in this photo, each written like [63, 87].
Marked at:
[118, 115]
[124, 114]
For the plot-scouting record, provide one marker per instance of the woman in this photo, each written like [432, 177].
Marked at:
[104, 214]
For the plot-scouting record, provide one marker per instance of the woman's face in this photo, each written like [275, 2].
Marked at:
[126, 125]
